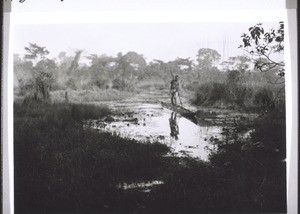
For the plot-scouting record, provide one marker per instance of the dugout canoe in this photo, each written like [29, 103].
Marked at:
[186, 113]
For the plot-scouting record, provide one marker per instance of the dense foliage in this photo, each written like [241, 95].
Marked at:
[229, 84]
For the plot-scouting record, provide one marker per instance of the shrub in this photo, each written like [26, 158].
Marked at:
[118, 84]
[263, 99]
[233, 77]
[270, 129]
[209, 93]
[193, 86]
[101, 83]
[71, 84]
[237, 96]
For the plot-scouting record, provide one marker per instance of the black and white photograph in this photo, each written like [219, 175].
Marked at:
[150, 112]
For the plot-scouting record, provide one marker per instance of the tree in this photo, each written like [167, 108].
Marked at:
[162, 65]
[23, 74]
[35, 52]
[169, 68]
[130, 65]
[184, 64]
[240, 63]
[102, 70]
[44, 78]
[43, 71]
[266, 48]
[74, 65]
[64, 62]
[135, 60]
[207, 58]
[101, 61]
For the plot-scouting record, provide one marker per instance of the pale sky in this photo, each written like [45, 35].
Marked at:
[162, 31]
[164, 41]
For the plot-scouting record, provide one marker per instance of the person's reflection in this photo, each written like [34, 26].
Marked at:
[174, 126]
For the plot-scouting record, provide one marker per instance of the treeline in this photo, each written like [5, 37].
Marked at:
[36, 75]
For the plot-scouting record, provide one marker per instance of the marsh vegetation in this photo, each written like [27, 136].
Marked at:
[93, 138]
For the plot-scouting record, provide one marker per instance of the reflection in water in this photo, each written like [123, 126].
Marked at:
[174, 126]
[152, 123]
[142, 186]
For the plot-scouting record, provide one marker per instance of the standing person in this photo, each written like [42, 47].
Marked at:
[174, 90]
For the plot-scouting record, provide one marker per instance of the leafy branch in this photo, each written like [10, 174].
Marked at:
[263, 45]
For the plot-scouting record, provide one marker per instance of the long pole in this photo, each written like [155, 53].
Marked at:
[180, 99]
[171, 72]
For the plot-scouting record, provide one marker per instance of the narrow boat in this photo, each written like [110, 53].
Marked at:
[186, 113]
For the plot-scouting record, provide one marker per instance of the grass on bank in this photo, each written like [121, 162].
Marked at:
[81, 96]
[61, 167]
[238, 97]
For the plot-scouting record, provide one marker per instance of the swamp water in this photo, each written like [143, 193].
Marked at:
[144, 121]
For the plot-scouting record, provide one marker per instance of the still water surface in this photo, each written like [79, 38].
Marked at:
[151, 122]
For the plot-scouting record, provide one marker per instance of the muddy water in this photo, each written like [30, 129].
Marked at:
[149, 121]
